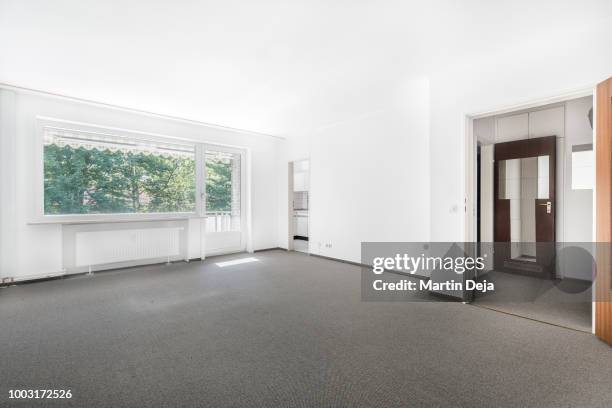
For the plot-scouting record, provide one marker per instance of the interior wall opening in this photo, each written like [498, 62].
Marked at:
[534, 171]
[299, 205]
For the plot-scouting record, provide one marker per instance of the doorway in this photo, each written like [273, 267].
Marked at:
[299, 205]
[533, 177]
[224, 200]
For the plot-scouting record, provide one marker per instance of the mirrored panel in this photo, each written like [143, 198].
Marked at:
[522, 181]
[524, 178]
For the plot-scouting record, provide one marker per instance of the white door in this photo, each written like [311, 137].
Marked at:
[224, 194]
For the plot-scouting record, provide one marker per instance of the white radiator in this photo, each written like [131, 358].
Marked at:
[104, 247]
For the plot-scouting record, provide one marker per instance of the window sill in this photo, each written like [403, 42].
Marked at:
[110, 218]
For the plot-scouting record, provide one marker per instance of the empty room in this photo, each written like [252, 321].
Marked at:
[306, 203]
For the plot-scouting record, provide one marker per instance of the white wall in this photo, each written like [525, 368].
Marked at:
[369, 175]
[539, 69]
[578, 203]
[34, 250]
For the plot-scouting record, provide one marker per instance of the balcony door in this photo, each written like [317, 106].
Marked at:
[223, 200]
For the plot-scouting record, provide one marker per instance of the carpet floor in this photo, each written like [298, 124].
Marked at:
[544, 300]
[289, 330]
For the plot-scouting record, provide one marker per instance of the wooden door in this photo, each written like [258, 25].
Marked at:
[603, 283]
[524, 189]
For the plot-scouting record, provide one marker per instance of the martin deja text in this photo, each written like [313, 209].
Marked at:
[429, 285]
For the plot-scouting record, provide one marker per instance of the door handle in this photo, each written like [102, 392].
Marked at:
[548, 207]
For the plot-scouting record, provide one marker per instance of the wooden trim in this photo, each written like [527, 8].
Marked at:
[603, 211]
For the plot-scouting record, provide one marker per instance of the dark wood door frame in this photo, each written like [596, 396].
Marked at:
[603, 212]
[542, 146]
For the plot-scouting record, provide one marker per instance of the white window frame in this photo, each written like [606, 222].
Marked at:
[38, 215]
[243, 194]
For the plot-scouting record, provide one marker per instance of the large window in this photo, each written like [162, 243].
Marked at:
[96, 173]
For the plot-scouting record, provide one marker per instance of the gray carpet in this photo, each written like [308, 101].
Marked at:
[287, 331]
[540, 299]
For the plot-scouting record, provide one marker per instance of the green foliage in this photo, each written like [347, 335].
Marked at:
[79, 181]
[218, 185]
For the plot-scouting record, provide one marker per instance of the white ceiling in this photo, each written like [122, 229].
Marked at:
[278, 67]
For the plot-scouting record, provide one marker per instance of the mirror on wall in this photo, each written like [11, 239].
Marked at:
[522, 181]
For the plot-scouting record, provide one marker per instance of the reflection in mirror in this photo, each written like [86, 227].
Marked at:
[522, 181]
